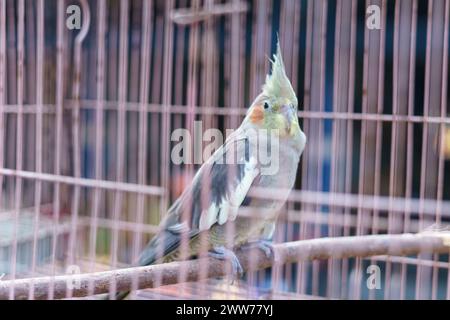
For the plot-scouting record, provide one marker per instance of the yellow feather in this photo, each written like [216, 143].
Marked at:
[277, 84]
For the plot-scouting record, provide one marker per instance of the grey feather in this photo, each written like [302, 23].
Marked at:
[219, 175]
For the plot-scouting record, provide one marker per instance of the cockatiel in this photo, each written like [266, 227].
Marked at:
[223, 182]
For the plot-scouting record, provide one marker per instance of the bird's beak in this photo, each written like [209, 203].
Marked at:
[289, 113]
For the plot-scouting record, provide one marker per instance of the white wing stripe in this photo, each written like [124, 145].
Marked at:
[228, 208]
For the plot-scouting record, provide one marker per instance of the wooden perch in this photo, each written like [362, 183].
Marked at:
[148, 276]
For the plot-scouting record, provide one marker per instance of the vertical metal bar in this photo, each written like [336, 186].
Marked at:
[334, 179]
[155, 97]
[110, 126]
[260, 45]
[190, 118]
[236, 65]
[296, 80]
[320, 147]
[179, 172]
[286, 33]
[39, 125]
[209, 77]
[99, 128]
[349, 141]
[440, 146]
[76, 132]
[410, 139]
[11, 86]
[19, 136]
[121, 126]
[302, 268]
[143, 123]
[132, 133]
[2, 91]
[393, 172]
[419, 288]
[59, 129]
[362, 164]
[379, 127]
[30, 94]
[166, 114]
[166, 101]
[206, 122]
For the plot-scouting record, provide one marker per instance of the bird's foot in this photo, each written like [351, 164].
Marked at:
[223, 253]
[264, 245]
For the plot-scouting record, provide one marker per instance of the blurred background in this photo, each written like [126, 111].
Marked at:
[86, 117]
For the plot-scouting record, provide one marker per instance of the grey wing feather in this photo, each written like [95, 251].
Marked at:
[227, 181]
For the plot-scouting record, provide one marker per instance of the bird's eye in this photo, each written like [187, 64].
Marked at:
[266, 105]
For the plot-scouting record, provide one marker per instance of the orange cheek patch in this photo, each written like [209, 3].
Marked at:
[257, 114]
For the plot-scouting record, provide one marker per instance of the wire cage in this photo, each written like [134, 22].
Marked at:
[87, 115]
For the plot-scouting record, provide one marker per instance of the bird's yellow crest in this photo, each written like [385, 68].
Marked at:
[277, 83]
[276, 106]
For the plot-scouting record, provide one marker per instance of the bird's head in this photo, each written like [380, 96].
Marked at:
[276, 106]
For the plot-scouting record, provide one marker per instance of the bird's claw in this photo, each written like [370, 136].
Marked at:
[264, 245]
[223, 253]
